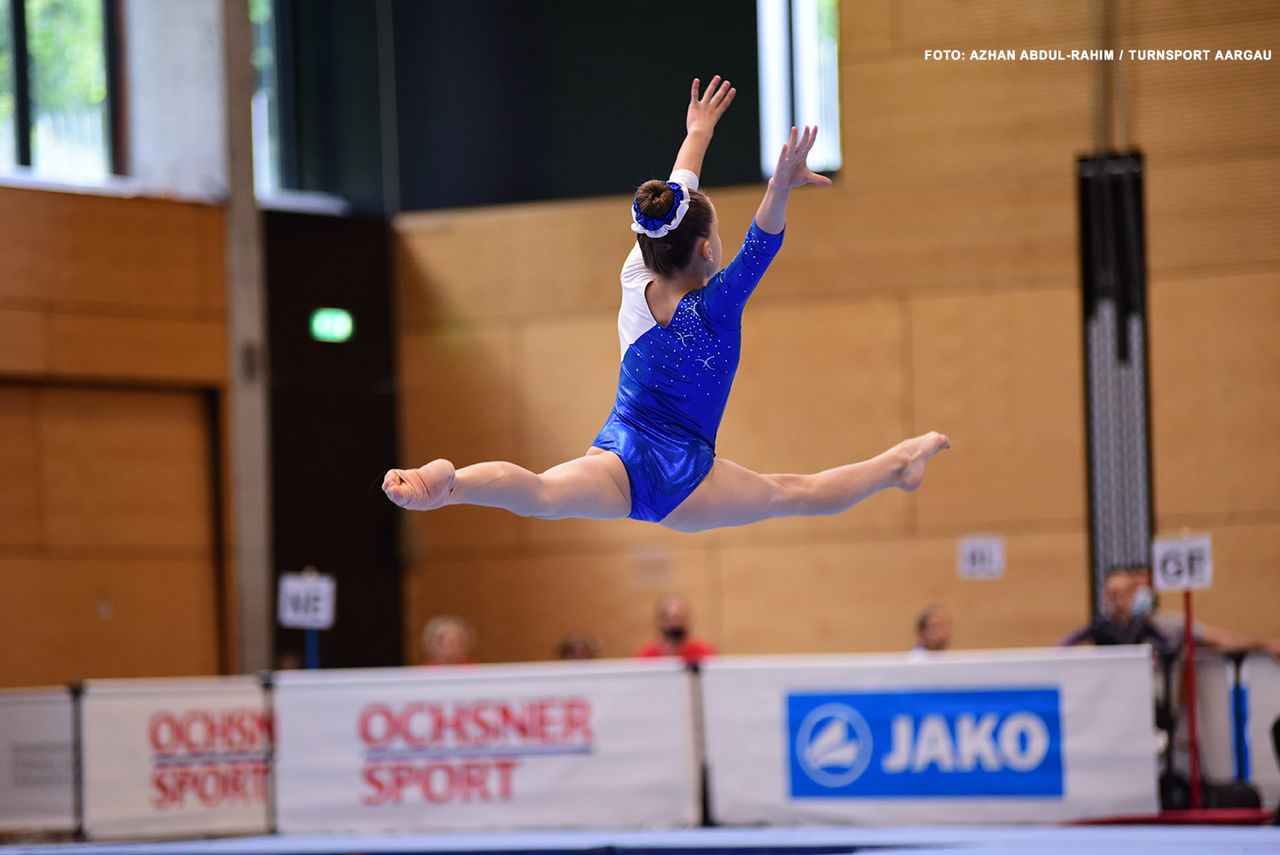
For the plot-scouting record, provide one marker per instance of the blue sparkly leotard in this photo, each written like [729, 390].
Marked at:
[675, 379]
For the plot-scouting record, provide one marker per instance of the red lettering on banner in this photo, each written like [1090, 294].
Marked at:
[209, 732]
[477, 724]
[209, 786]
[503, 729]
[439, 782]
[209, 758]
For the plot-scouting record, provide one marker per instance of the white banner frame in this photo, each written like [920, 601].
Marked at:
[609, 744]
[37, 760]
[175, 757]
[1107, 768]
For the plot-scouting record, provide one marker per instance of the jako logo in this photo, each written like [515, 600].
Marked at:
[834, 745]
[962, 743]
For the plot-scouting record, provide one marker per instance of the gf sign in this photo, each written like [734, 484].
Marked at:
[1182, 563]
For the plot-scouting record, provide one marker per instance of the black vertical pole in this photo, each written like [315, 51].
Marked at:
[21, 81]
[111, 29]
[1115, 349]
[77, 757]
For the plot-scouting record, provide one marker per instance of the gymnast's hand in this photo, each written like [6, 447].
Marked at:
[793, 171]
[706, 110]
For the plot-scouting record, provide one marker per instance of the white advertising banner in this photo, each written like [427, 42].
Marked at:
[1215, 728]
[175, 757]
[1000, 736]
[583, 744]
[37, 776]
[1261, 678]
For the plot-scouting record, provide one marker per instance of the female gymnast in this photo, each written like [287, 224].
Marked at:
[680, 327]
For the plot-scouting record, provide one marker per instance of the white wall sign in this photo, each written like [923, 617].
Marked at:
[307, 600]
[1182, 563]
[980, 557]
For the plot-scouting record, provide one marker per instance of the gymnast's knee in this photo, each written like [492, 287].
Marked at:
[793, 495]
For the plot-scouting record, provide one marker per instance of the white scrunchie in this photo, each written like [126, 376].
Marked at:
[661, 231]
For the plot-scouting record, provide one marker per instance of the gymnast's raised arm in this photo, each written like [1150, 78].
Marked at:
[793, 171]
[728, 291]
[705, 111]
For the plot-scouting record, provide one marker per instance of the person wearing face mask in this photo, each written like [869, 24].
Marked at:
[674, 638]
[1123, 619]
[1171, 622]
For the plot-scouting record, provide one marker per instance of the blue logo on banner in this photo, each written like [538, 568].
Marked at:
[960, 743]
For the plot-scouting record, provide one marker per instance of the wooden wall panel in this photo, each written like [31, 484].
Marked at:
[993, 23]
[1218, 216]
[127, 470]
[866, 28]
[21, 479]
[1006, 234]
[522, 607]
[502, 262]
[107, 558]
[820, 384]
[106, 288]
[1158, 17]
[1195, 112]
[459, 401]
[912, 123]
[146, 254]
[164, 350]
[1215, 392]
[71, 619]
[24, 342]
[568, 378]
[862, 597]
[1001, 375]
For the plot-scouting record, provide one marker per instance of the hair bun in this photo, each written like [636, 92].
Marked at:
[655, 198]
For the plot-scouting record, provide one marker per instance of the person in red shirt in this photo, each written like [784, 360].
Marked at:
[673, 633]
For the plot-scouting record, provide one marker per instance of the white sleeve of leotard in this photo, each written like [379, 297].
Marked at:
[634, 319]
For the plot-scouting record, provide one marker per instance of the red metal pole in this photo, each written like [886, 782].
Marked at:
[1193, 731]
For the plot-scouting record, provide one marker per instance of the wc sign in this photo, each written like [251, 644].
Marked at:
[938, 743]
[1182, 563]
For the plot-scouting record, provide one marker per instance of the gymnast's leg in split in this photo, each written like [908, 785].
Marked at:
[595, 486]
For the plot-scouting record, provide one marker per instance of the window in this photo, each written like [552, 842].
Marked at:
[799, 77]
[54, 105]
[266, 103]
[7, 137]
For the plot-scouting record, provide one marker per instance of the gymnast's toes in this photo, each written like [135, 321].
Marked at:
[916, 453]
[423, 489]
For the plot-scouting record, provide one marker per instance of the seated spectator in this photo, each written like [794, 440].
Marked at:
[674, 638]
[579, 645]
[1118, 623]
[448, 640]
[1172, 622]
[933, 630]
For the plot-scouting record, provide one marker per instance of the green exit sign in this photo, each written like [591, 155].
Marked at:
[333, 325]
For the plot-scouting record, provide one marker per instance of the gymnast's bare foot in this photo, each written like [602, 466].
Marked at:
[423, 489]
[915, 454]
